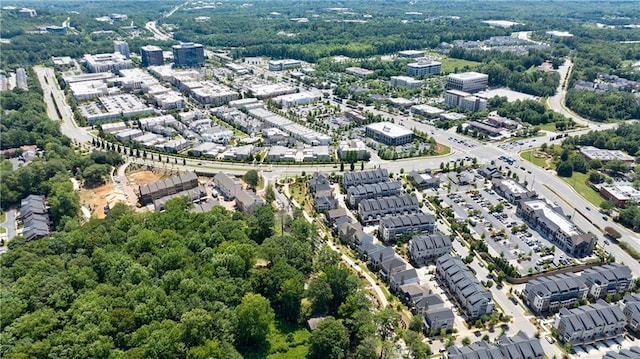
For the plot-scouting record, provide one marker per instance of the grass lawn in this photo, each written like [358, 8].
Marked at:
[551, 127]
[286, 341]
[442, 149]
[3, 230]
[449, 65]
[3, 217]
[538, 161]
[579, 182]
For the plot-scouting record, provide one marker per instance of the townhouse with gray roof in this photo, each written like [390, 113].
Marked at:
[425, 248]
[172, 185]
[391, 228]
[519, 346]
[471, 297]
[438, 319]
[34, 216]
[608, 279]
[391, 266]
[632, 312]
[549, 294]
[589, 323]
[324, 200]
[376, 258]
[631, 353]
[551, 223]
[372, 210]
[364, 177]
[320, 182]
[228, 185]
[357, 193]
[400, 278]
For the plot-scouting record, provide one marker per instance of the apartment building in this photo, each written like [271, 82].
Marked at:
[632, 312]
[391, 228]
[549, 294]
[589, 323]
[471, 297]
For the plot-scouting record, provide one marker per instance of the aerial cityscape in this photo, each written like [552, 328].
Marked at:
[320, 179]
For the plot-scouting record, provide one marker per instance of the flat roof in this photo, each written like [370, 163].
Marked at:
[390, 129]
[561, 221]
[471, 75]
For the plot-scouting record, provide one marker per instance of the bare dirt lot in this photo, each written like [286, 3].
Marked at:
[96, 199]
[144, 177]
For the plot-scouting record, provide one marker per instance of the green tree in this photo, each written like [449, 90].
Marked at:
[252, 178]
[261, 224]
[96, 173]
[269, 194]
[565, 169]
[330, 340]
[255, 318]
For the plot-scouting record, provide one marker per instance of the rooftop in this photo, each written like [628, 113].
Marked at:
[390, 129]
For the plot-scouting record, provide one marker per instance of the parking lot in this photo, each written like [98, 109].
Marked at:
[491, 216]
[466, 142]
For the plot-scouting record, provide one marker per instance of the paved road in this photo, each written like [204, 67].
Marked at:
[157, 34]
[10, 224]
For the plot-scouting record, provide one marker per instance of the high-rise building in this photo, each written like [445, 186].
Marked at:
[121, 47]
[188, 54]
[151, 56]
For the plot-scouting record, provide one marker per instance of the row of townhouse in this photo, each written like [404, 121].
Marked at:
[520, 346]
[550, 293]
[631, 312]
[472, 298]
[323, 197]
[372, 210]
[172, 185]
[360, 192]
[589, 323]
[391, 228]
[364, 177]
[425, 248]
[34, 217]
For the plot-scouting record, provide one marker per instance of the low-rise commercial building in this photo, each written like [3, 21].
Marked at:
[620, 194]
[353, 146]
[391, 228]
[107, 62]
[549, 294]
[511, 190]
[464, 101]
[424, 181]
[411, 54]
[604, 155]
[281, 65]
[389, 133]
[471, 297]
[556, 227]
[468, 82]
[405, 81]
[589, 323]
[358, 71]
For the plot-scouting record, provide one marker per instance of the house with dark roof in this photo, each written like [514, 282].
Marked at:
[170, 186]
[632, 312]
[608, 279]
[412, 293]
[424, 181]
[367, 249]
[195, 195]
[347, 231]
[631, 353]
[364, 177]
[376, 259]
[391, 266]
[335, 214]
[320, 182]
[393, 227]
[519, 346]
[589, 323]
[400, 278]
[438, 319]
[472, 298]
[372, 210]
[550, 293]
[34, 216]
[425, 248]
[324, 200]
[247, 202]
[426, 303]
[357, 193]
[228, 185]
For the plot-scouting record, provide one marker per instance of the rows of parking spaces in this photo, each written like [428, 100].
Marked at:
[598, 349]
[494, 219]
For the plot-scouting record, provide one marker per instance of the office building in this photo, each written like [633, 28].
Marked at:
[411, 54]
[107, 62]
[281, 65]
[471, 297]
[589, 323]
[389, 133]
[468, 82]
[188, 54]
[424, 68]
[549, 294]
[151, 55]
[122, 48]
[405, 81]
[464, 101]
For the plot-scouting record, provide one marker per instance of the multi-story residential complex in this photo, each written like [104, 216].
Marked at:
[121, 47]
[188, 54]
[390, 228]
[552, 224]
[589, 323]
[632, 312]
[107, 62]
[437, 319]
[281, 65]
[324, 200]
[356, 146]
[405, 81]
[425, 248]
[549, 294]
[519, 346]
[34, 217]
[464, 100]
[372, 210]
[608, 279]
[228, 185]
[355, 194]
[389, 133]
[468, 82]
[424, 68]
[364, 177]
[172, 185]
[151, 55]
[511, 190]
[471, 297]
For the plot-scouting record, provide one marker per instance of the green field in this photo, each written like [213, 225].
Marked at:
[579, 182]
[449, 65]
[540, 162]
[286, 341]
